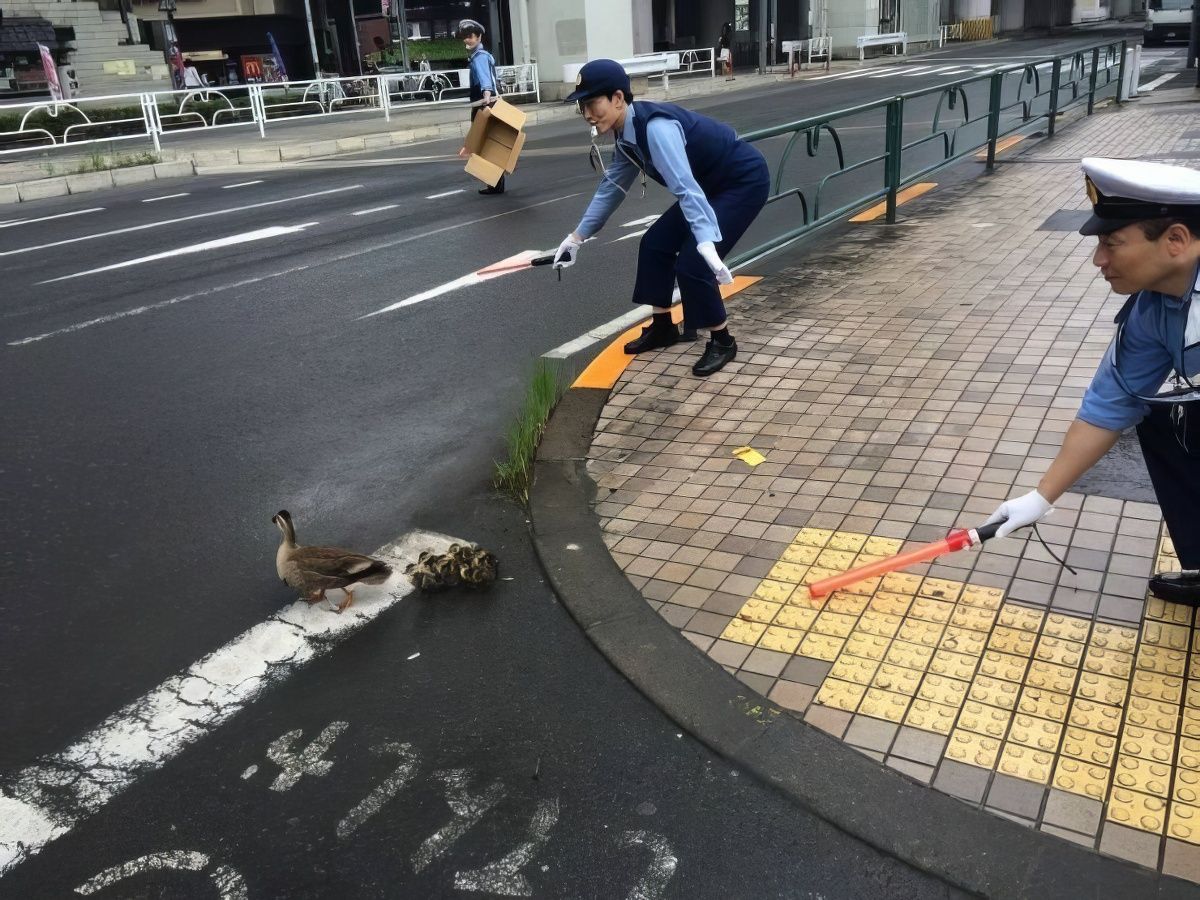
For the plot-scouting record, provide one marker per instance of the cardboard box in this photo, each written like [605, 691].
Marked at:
[495, 141]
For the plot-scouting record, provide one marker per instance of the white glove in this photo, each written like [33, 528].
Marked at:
[568, 250]
[708, 251]
[1019, 512]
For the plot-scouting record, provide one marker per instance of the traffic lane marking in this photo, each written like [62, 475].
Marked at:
[79, 212]
[167, 197]
[375, 209]
[507, 266]
[240, 184]
[880, 209]
[46, 800]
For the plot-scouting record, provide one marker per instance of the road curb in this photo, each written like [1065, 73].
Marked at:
[971, 849]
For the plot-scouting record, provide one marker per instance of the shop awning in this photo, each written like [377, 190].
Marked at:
[23, 35]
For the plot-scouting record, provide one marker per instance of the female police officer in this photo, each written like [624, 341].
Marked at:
[722, 184]
[1147, 219]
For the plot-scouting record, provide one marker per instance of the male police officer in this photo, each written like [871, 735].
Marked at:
[722, 184]
[484, 86]
[1147, 220]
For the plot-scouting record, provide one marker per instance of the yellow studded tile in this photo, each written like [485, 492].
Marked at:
[986, 720]
[802, 598]
[800, 555]
[972, 617]
[1102, 689]
[1044, 704]
[774, 591]
[840, 694]
[931, 716]
[1004, 666]
[1191, 723]
[865, 588]
[789, 573]
[834, 624]
[912, 656]
[1051, 677]
[1012, 640]
[758, 611]
[1185, 823]
[813, 537]
[821, 646]
[743, 632]
[964, 640]
[847, 604]
[867, 646]
[1095, 716]
[897, 679]
[1080, 777]
[1114, 638]
[1026, 763]
[1141, 775]
[1154, 686]
[891, 603]
[946, 691]
[927, 634]
[1069, 628]
[1108, 662]
[941, 589]
[1038, 734]
[953, 665]
[847, 541]
[782, 640]
[1020, 617]
[795, 617]
[880, 624]
[901, 583]
[994, 692]
[852, 668]
[1163, 634]
[1135, 810]
[986, 597]
[1189, 754]
[884, 705]
[972, 749]
[1155, 746]
[881, 546]
[1059, 651]
[1162, 660]
[1171, 613]
[929, 610]
[1152, 714]
[1192, 696]
[1187, 786]
[840, 560]
[1088, 746]
[1194, 665]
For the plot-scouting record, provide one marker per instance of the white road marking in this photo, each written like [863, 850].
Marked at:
[382, 794]
[191, 218]
[663, 862]
[445, 194]
[167, 197]
[375, 209]
[644, 220]
[504, 875]
[600, 332]
[226, 187]
[295, 764]
[78, 212]
[633, 234]
[229, 882]
[46, 800]
[1157, 82]
[261, 234]
[467, 808]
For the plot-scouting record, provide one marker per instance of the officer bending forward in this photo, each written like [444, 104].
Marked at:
[1147, 220]
[721, 183]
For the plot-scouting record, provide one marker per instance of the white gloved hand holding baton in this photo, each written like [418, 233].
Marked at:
[708, 251]
[1019, 512]
[568, 251]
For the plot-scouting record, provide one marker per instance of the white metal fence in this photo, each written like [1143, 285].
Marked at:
[156, 115]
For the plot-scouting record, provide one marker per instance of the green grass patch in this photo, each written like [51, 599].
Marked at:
[514, 474]
[99, 161]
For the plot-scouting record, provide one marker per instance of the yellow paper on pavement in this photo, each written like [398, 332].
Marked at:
[749, 456]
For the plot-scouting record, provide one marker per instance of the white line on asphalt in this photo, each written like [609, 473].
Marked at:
[226, 187]
[916, 70]
[246, 282]
[599, 333]
[645, 220]
[78, 212]
[1157, 82]
[166, 197]
[634, 234]
[203, 215]
[465, 281]
[375, 209]
[46, 800]
[445, 194]
[261, 234]
[863, 74]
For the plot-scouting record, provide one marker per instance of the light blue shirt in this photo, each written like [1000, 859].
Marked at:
[482, 64]
[668, 158]
[1155, 341]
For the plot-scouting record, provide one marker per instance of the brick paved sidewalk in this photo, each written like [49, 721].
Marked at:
[902, 385]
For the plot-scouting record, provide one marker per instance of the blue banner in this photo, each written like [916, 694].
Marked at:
[283, 76]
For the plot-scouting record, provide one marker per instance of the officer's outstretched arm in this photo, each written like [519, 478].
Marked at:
[1081, 449]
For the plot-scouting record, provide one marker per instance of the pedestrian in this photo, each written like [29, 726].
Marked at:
[191, 76]
[725, 50]
[721, 184]
[485, 88]
[1146, 217]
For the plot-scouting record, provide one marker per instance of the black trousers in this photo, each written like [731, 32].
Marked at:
[474, 112]
[1176, 479]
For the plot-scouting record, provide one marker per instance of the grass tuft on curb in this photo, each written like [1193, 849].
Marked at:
[514, 474]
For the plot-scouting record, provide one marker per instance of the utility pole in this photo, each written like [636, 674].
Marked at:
[1194, 42]
[312, 39]
[762, 37]
[403, 15]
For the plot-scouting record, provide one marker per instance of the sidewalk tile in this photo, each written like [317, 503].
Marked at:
[962, 781]
[1136, 846]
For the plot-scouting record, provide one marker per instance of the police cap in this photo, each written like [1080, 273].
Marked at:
[600, 76]
[470, 26]
[1124, 191]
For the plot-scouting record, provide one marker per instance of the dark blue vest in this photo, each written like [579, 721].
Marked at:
[714, 151]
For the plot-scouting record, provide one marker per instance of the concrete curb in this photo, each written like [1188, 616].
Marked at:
[86, 182]
[974, 850]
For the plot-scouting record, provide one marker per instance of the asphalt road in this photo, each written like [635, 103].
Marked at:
[181, 360]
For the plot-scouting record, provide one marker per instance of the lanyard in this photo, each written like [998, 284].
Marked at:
[1183, 393]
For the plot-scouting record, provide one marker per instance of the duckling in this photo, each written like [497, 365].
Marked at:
[314, 570]
[460, 564]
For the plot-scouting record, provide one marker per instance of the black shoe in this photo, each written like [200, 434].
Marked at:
[654, 337]
[1177, 587]
[499, 189]
[689, 334]
[715, 358]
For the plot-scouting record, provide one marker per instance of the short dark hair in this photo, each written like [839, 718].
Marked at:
[628, 95]
[472, 28]
[1153, 229]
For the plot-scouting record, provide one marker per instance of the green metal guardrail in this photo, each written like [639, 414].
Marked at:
[1017, 102]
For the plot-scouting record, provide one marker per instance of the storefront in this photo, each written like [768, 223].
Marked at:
[21, 71]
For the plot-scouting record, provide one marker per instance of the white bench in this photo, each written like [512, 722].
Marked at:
[882, 40]
[820, 47]
[649, 64]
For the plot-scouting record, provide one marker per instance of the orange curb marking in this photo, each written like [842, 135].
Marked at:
[880, 209]
[1001, 146]
[606, 368]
